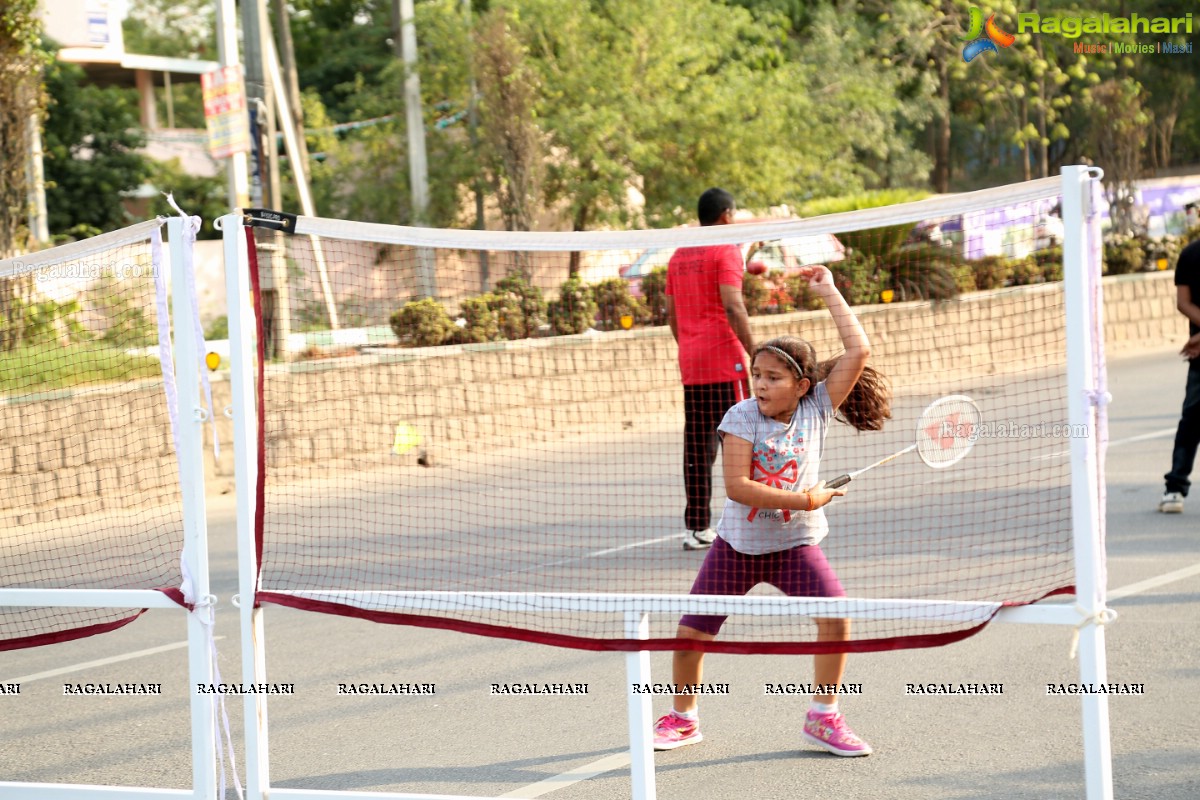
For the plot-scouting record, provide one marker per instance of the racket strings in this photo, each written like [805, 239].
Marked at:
[947, 430]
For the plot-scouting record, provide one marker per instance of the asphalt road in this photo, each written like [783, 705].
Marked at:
[464, 740]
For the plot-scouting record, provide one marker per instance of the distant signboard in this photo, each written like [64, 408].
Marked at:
[97, 22]
[225, 111]
[82, 23]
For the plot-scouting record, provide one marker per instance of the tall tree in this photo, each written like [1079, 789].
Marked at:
[91, 142]
[21, 61]
[342, 47]
[514, 143]
[778, 99]
[21, 103]
[668, 97]
[1116, 139]
[1170, 84]
[869, 101]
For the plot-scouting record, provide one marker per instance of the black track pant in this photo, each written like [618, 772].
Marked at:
[1187, 436]
[704, 407]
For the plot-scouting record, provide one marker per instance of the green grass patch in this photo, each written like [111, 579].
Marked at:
[46, 367]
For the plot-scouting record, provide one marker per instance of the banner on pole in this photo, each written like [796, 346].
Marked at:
[225, 111]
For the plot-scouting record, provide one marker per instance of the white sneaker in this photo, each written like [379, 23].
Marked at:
[702, 540]
[1171, 503]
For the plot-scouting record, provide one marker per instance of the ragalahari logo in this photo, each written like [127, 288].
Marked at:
[983, 37]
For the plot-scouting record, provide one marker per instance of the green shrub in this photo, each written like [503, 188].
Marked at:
[878, 242]
[1123, 254]
[510, 319]
[37, 368]
[1026, 271]
[1167, 247]
[528, 301]
[754, 294]
[613, 301]
[801, 295]
[858, 278]
[217, 329]
[991, 272]
[130, 327]
[642, 314]
[125, 323]
[482, 321]
[922, 273]
[654, 294]
[39, 322]
[964, 277]
[422, 323]
[575, 309]
[52, 322]
[1051, 262]
[860, 200]
[779, 297]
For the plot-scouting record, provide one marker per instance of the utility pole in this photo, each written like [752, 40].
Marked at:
[236, 171]
[260, 98]
[473, 136]
[38, 219]
[404, 38]
[291, 81]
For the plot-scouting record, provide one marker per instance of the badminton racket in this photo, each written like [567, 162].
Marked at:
[946, 431]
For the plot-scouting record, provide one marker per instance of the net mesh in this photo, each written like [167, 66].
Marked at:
[486, 464]
[89, 491]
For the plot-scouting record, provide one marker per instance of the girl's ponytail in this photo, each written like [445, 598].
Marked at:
[869, 402]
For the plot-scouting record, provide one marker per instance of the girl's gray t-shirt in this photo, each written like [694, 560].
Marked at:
[785, 457]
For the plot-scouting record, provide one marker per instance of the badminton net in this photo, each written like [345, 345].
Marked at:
[482, 462]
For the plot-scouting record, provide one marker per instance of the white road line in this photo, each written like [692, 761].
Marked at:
[573, 559]
[587, 771]
[1154, 583]
[642, 543]
[1159, 434]
[101, 662]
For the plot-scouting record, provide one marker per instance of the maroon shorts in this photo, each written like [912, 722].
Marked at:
[797, 572]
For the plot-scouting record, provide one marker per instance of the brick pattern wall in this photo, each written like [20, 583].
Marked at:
[84, 452]
[101, 450]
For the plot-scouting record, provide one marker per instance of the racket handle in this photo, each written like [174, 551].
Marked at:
[838, 482]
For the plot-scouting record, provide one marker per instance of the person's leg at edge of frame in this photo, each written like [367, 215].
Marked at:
[824, 725]
[1187, 438]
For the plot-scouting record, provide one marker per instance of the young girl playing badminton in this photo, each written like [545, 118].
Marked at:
[773, 523]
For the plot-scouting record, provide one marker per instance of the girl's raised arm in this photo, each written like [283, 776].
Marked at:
[844, 375]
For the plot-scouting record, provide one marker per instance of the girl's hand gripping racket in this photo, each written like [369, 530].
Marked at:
[946, 431]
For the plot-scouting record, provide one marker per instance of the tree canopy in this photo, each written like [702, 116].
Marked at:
[621, 111]
[91, 137]
[627, 109]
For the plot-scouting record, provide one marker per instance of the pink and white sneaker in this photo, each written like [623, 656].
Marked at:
[673, 731]
[831, 732]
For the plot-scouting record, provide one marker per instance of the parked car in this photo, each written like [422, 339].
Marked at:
[646, 263]
[780, 256]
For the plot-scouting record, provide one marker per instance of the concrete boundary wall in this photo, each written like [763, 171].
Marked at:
[68, 453]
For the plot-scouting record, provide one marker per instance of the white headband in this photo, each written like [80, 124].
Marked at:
[783, 354]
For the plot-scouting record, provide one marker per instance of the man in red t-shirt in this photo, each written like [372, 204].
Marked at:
[709, 322]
